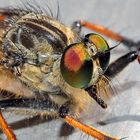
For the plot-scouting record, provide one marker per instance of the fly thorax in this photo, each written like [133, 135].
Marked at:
[32, 47]
[40, 78]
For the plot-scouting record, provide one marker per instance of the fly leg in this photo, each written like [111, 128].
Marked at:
[33, 105]
[64, 113]
[38, 105]
[118, 65]
[6, 129]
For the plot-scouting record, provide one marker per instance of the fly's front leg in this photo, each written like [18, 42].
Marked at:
[6, 129]
[105, 31]
[64, 113]
[118, 65]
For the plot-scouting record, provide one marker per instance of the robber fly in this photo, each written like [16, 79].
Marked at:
[48, 69]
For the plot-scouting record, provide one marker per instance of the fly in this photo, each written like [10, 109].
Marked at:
[50, 70]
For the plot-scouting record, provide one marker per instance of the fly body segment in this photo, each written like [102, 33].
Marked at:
[48, 69]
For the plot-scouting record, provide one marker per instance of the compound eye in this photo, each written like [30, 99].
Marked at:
[76, 66]
[102, 46]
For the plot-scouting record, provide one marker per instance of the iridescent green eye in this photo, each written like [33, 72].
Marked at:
[76, 66]
[102, 46]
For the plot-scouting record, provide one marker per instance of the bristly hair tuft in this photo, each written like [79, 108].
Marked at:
[36, 7]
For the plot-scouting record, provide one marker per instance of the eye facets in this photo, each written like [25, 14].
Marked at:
[76, 65]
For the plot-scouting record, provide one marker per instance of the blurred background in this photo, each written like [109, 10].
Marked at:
[122, 118]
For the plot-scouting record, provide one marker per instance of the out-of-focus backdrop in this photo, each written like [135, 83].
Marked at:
[122, 118]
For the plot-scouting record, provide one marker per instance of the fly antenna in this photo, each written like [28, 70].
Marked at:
[98, 54]
[123, 138]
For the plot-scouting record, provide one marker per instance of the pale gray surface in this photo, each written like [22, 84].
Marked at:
[123, 114]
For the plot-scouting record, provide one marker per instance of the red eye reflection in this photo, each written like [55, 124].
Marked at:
[76, 66]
